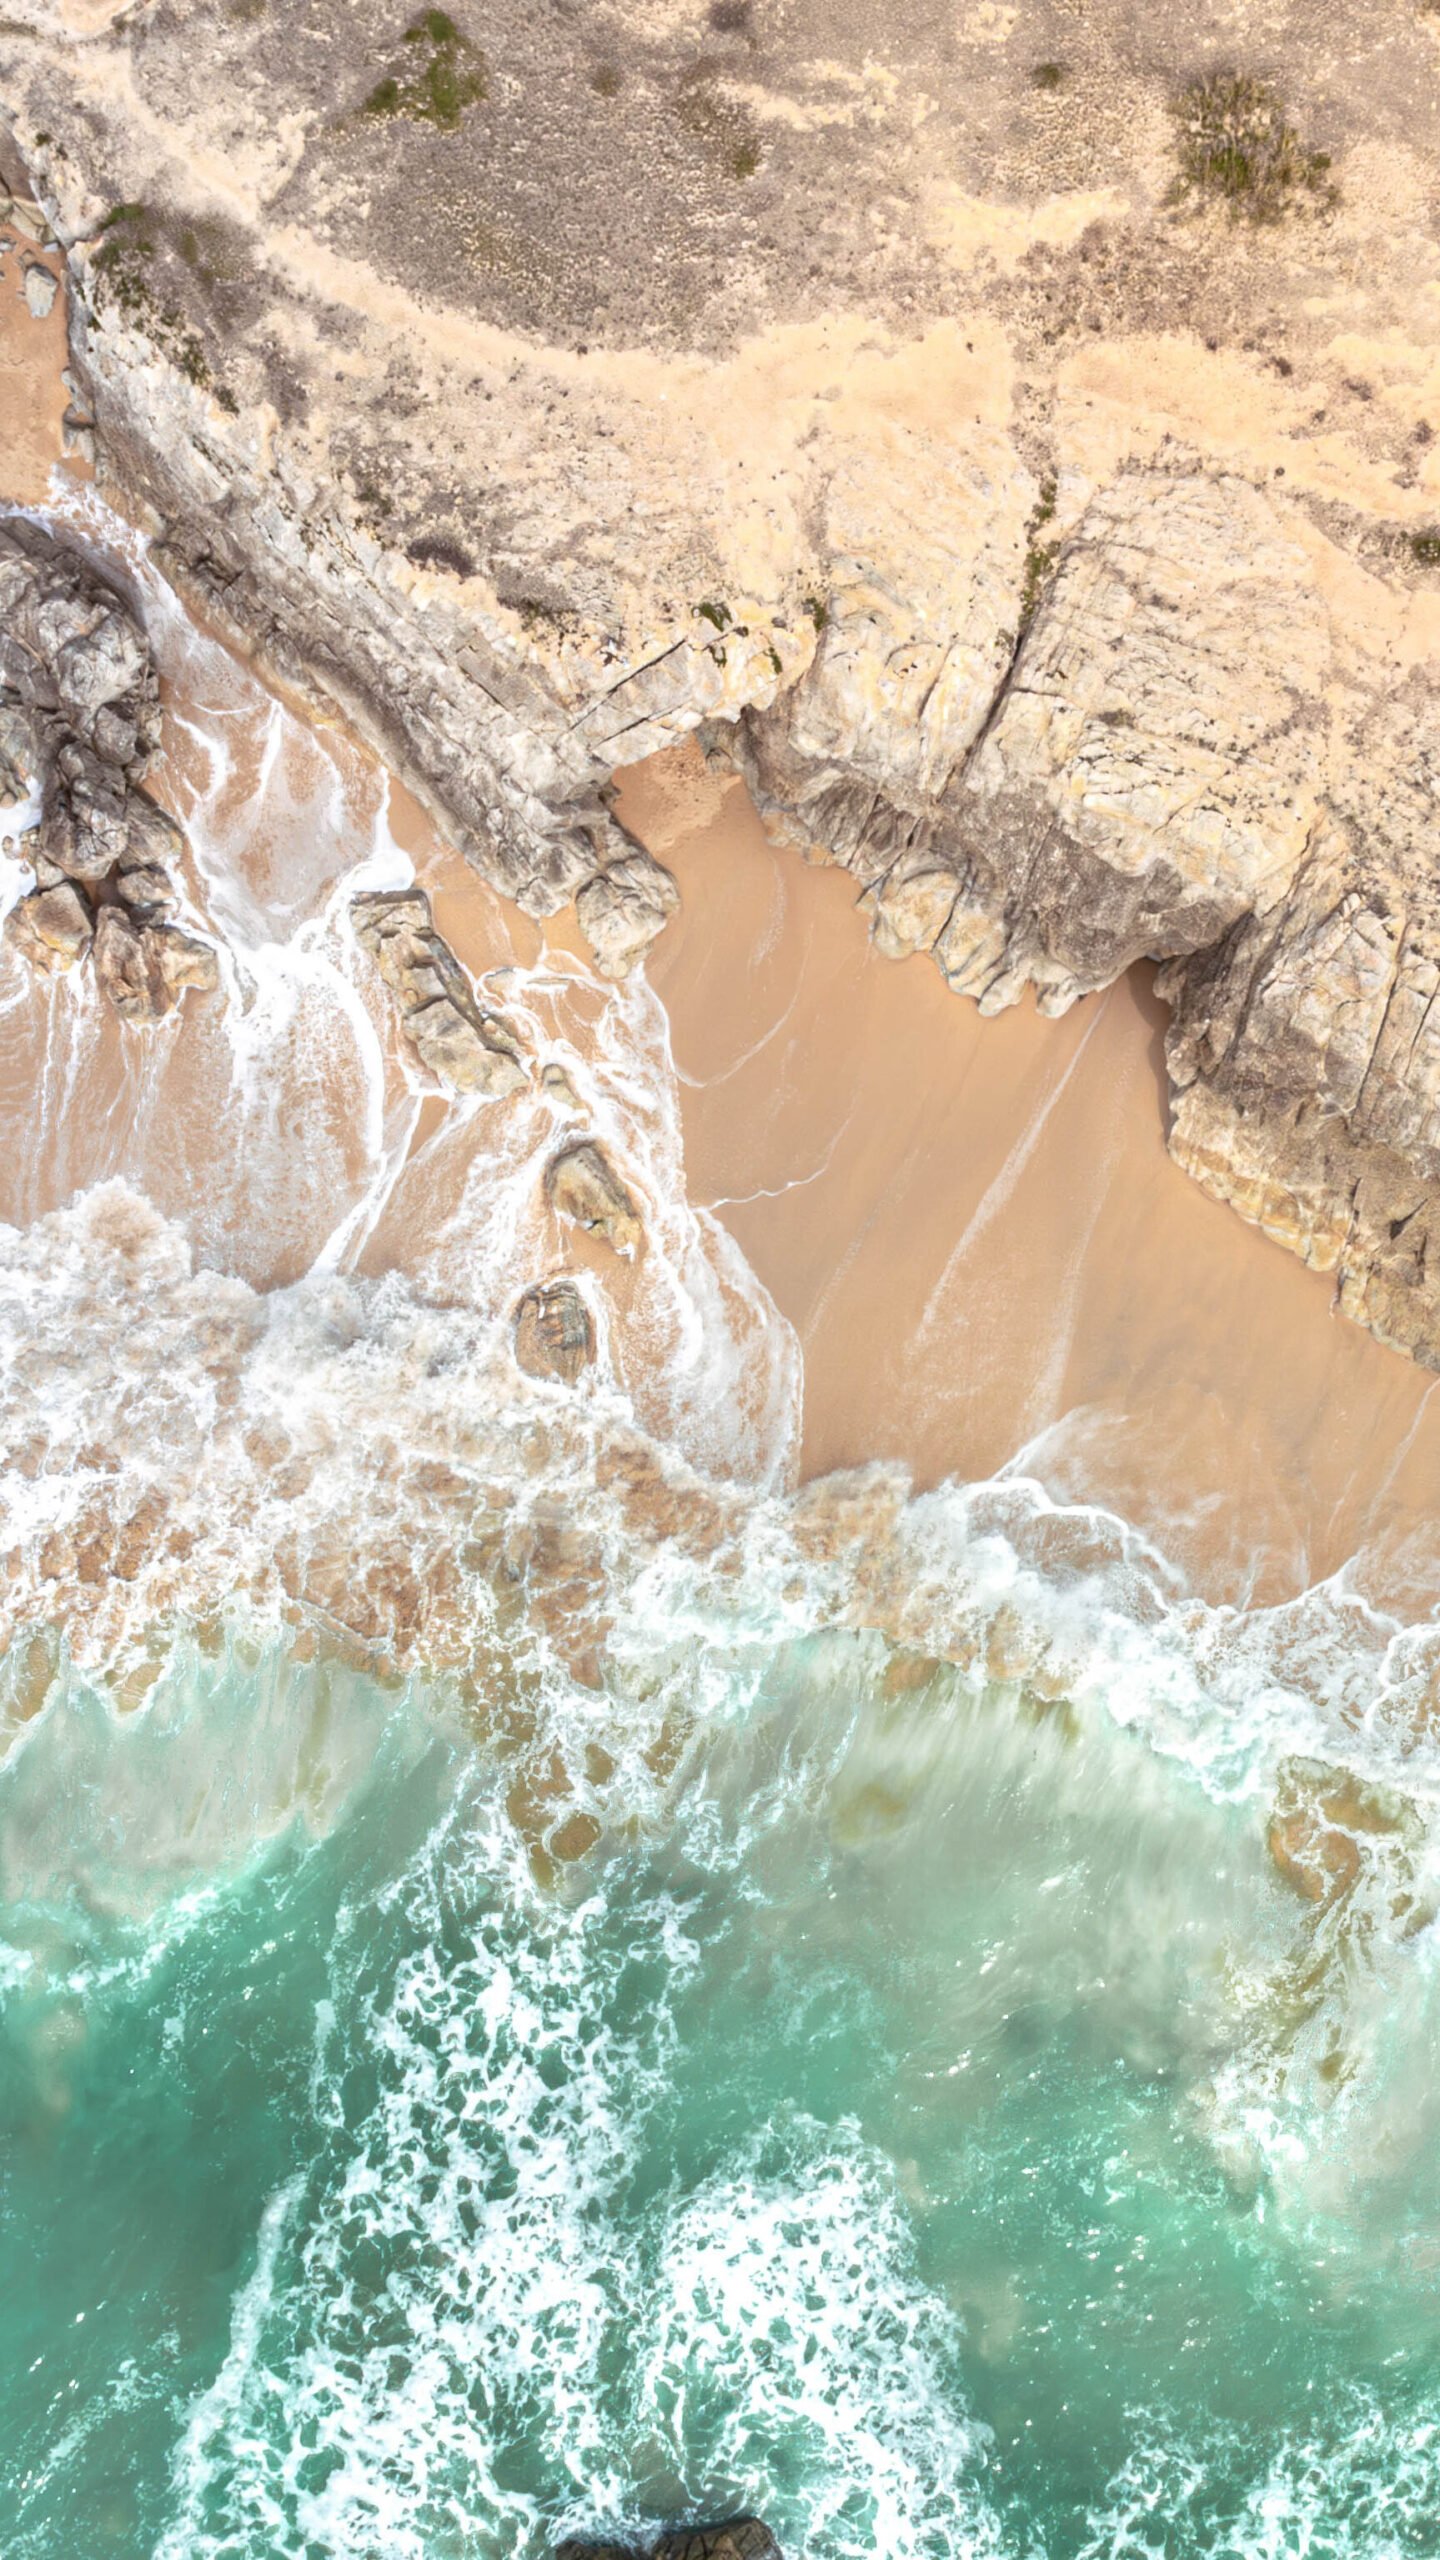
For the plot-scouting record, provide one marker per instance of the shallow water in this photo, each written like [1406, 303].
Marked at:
[843, 2141]
[547, 1978]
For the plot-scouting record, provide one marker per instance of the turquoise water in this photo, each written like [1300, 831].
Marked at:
[924, 2114]
[864, 2132]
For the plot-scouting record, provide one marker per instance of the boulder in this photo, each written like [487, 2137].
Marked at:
[20, 750]
[554, 1337]
[558, 1090]
[145, 968]
[40, 291]
[580, 1185]
[738, 2538]
[463, 1046]
[623, 910]
[122, 965]
[146, 888]
[183, 961]
[85, 828]
[52, 928]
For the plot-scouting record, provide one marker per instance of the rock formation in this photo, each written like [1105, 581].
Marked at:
[1053, 550]
[741, 2538]
[554, 1337]
[581, 1185]
[79, 723]
[466, 1048]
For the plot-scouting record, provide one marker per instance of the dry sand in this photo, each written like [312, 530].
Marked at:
[985, 1248]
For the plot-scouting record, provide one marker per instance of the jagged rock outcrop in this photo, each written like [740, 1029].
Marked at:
[1012, 544]
[739, 2538]
[1146, 769]
[465, 1047]
[79, 725]
[554, 1336]
[622, 911]
[52, 928]
[1305, 1047]
[581, 1184]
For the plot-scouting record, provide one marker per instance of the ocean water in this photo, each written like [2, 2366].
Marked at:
[843, 2137]
[549, 1981]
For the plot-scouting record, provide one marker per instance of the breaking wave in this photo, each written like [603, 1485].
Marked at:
[552, 1975]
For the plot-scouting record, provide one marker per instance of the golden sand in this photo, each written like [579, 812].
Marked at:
[984, 1246]
[32, 395]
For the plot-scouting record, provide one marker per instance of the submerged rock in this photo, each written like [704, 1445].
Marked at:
[738, 2538]
[52, 928]
[554, 1337]
[465, 1047]
[580, 1184]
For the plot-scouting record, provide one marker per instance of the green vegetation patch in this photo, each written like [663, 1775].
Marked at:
[1425, 547]
[440, 74]
[1040, 557]
[1235, 147]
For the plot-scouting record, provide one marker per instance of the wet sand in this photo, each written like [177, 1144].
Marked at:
[32, 356]
[989, 1256]
[974, 1228]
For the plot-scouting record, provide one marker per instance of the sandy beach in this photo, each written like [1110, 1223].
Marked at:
[32, 356]
[984, 1247]
[974, 1228]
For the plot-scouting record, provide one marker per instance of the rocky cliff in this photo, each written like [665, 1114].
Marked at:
[1007, 433]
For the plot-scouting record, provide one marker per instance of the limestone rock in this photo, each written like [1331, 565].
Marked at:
[85, 828]
[911, 906]
[183, 960]
[122, 965]
[622, 911]
[70, 646]
[464, 1047]
[973, 544]
[558, 1089]
[580, 1184]
[554, 1337]
[147, 888]
[1304, 1049]
[52, 928]
[79, 718]
[40, 291]
[21, 752]
[145, 968]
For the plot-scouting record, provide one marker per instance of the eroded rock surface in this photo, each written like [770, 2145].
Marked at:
[79, 724]
[554, 1336]
[1055, 556]
[581, 1184]
[740, 2538]
[622, 911]
[52, 928]
[468, 1049]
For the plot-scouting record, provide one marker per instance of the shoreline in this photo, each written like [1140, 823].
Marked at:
[899, 1173]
